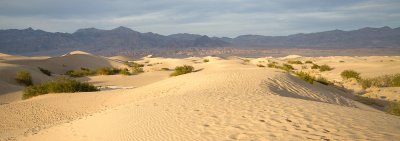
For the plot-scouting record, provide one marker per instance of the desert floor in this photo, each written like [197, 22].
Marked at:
[224, 99]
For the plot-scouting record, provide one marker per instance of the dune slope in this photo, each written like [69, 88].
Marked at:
[228, 102]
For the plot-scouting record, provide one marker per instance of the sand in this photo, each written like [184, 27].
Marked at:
[223, 100]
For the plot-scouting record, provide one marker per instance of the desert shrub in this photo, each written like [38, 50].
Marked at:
[304, 67]
[305, 76]
[381, 81]
[246, 60]
[393, 108]
[261, 66]
[44, 71]
[287, 67]
[315, 66]
[294, 62]
[133, 64]
[80, 73]
[206, 60]
[347, 74]
[60, 85]
[325, 68]
[272, 65]
[125, 72]
[179, 70]
[24, 78]
[136, 70]
[341, 61]
[323, 81]
[107, 71]
[165, 69]
[308, 62]
[136, 67]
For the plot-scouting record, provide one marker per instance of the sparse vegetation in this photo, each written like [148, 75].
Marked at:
[305, 76]
[323, 81]
[136, 70]
[179, 70]
[347, 74]
[308, 62]
[44, 71]
[304, 67]
[295, 62]
[165, 69]
[261, 66]
[325, 68]
[60, 85]
[315, 66]
[80, 73]
[125, 71]
[24, 78]
[136, 67]
[287, 67]
[341, 61]
[134, 64]
[107, 71]
[393, 108]
[381, 81]
[246, 60]
[206, 60]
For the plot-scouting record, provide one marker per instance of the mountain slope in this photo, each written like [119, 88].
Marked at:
[121, 40]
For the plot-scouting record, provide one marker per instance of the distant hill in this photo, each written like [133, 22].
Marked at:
[122, 39]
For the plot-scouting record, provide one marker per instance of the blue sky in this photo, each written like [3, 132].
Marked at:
[208, 17]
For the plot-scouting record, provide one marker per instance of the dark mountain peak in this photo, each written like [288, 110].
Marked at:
[87, 30]
[122, 28]
[29, 29]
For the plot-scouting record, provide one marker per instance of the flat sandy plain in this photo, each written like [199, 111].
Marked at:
[225, 99]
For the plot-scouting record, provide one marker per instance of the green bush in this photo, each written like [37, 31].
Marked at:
[393, 108]
[80, 73]
[287, 67]
[125, 72]
[305, 76]
[315, 66]
[24, 78]
[60, 85]
[206, 60]
[179, 70]
[272, 65]
[107, 71]
[347, 74]
[294, 62]
[308, 62]
[325, 68]
[136, 70]
[261, 66]
[44, 71]
[381, 81]
[134, 64]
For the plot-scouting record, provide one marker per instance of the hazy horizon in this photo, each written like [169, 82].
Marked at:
[221, 18]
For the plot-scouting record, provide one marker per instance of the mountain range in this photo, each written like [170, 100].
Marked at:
[122, 39]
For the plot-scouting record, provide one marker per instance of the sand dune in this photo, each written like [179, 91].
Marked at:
[224, 100]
